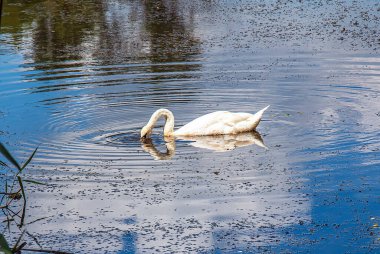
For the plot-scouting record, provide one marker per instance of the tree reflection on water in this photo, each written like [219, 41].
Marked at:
[102, 31]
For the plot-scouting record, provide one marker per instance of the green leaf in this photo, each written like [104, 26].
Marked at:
[9, 157]
[4, 247]
[35, 182]
[27, 162]
[21, 186]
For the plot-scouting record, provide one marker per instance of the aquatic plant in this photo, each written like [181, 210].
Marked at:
[4, 246]
[13, 191]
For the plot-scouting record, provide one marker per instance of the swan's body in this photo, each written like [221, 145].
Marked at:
[216, 123]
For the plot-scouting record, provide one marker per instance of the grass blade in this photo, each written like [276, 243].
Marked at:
[15, 248]
[4, 247]
[27, 162]
[9, 157]
[19, 248]
[24, 197]
[35, 182]
[3, 164]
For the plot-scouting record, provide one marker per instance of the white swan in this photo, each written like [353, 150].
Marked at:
[217, 123]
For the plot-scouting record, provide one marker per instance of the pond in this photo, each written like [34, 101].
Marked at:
[80, 79]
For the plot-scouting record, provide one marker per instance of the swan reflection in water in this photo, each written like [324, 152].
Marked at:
[148, 146]
[217, 143]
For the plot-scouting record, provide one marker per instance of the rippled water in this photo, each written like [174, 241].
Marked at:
[79, 80]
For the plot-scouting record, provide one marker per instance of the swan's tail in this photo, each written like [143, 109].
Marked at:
[257, 117]
[264, 109]
[261, 112]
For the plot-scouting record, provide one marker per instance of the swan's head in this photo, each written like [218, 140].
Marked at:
[145, 132]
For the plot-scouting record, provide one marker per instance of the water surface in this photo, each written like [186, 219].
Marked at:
[80, 79]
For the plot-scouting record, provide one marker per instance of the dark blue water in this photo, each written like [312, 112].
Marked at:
[79, 80]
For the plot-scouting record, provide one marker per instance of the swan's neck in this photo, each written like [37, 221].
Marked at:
[169, 121]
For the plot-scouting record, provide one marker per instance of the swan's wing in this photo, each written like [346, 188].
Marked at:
[220, 122]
